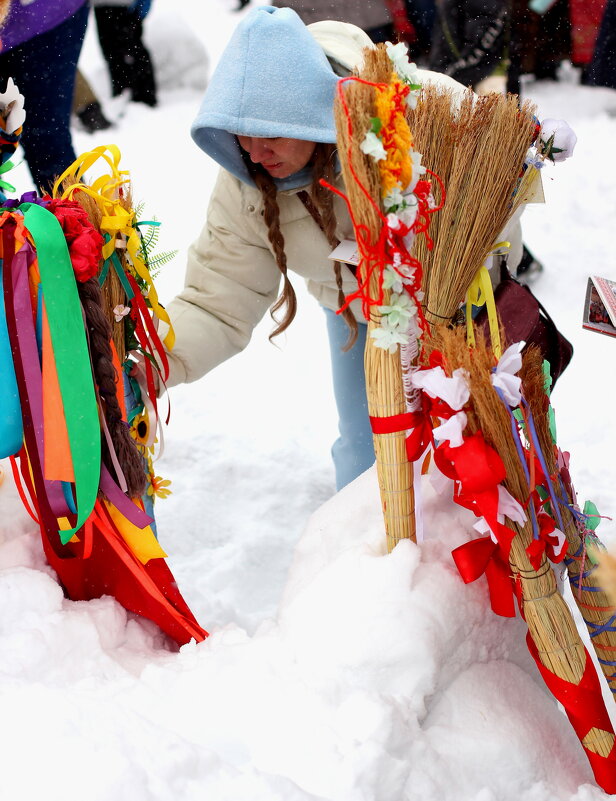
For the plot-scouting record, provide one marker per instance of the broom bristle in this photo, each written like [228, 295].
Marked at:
[384, 388]
[477, 147]
[548, 617]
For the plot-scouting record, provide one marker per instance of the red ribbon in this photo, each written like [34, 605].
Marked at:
[417, 423]
[477, 466]
[546, 543]
[586, 710]
[151, 340]
[480, 556]
[478, 470]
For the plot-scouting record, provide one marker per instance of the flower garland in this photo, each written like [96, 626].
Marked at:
[407, 203]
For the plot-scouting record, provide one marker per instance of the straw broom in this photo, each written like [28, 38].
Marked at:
[549, 620]
[384, 386]
[477, 145]
[596, 605]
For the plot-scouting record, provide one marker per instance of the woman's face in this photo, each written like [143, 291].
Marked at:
[280, 157]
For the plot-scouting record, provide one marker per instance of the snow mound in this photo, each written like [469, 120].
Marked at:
[382, 677]
[179, 56]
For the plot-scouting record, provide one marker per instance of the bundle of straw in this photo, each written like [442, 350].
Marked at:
[549, 619]
[596, 605]
[477, 145]
[384, 385]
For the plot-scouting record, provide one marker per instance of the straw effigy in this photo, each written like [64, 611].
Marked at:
[550, 624]
[477, 146]
[384, 386]
[594, 602]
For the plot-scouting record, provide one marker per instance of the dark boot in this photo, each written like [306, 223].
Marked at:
[92, 117]
[528, 268]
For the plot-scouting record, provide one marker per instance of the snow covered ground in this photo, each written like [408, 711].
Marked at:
[333, 671]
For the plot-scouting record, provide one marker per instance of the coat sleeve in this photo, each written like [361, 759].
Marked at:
[231, 281]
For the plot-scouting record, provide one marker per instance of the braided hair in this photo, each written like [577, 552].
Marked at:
[99, 333]
[323, 167]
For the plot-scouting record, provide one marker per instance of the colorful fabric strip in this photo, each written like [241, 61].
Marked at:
[71, 354]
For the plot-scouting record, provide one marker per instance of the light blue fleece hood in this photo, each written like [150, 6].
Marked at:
[272, 80]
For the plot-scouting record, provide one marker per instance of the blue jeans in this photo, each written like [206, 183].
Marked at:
[44, 70]
[353, 451]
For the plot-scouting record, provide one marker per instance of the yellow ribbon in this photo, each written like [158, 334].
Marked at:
[116, 219]
[480, 293]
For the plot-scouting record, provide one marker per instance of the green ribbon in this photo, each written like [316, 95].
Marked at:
[71, 354]
[146, 222]
[593, 519]
[117, 265]
[547, 383]
[8, 165]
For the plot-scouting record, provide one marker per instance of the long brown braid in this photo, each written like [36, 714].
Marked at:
[323, 167]
[99, 333]
[323, 198]
[287, 300]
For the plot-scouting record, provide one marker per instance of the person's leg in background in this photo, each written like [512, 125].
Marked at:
[87, 107]
[422, 14]
[353, 451]
[120, 33]
[44, 70]
[602, 70]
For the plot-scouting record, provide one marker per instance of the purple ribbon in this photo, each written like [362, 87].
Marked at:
[27, 344]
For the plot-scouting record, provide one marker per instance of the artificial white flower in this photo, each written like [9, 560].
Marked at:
[393, 221]
[406, 70]
[372, 146]
[412, 98]
[401, 224]
[389, 338]
[504, 377]
[408, 213]
[393, 198]
[399, 311]
[392, 279]
[564, 139]
[12, 107]
[396, 52]
[418, 170]
[120, 311]
[397, 275]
